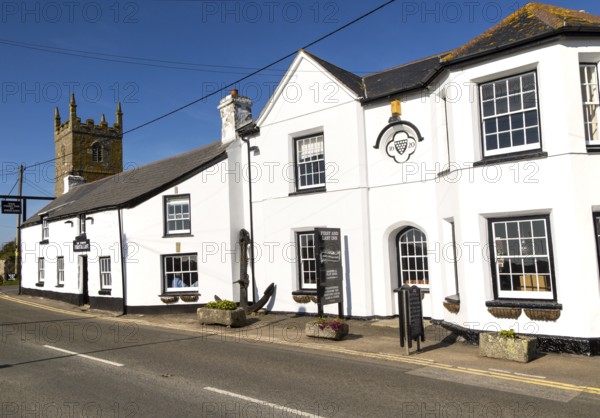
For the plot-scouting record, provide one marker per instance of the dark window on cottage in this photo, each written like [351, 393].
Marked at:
[45, 228]
[180, 272]
[177, 215]
[522, 263]
[412, 257]
[597, 231]
[97, 153]
[307, 260]
[310, 162]
[510, 115]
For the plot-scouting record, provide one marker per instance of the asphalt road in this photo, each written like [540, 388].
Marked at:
[55, 364]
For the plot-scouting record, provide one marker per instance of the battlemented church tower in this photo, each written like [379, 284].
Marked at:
[87, 150]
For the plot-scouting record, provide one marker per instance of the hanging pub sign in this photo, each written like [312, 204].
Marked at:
[399, 137]
[329, 266]
[81, 244]
[11, 207]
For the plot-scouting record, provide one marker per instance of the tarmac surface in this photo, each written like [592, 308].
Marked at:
[447, 357]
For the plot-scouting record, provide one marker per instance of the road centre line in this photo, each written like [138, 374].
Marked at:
[112, 363]
[260, 402]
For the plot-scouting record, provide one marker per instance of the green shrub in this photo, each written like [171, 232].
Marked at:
[509, 334]
[224, 305]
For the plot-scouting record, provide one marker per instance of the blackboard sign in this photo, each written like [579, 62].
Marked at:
[11, 207]
[415, 312]
[329, 266]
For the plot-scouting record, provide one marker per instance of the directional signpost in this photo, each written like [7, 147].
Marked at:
[329, 268]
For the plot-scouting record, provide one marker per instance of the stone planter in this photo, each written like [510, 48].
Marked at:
[230, 318]
[312, 329]
[521, 349]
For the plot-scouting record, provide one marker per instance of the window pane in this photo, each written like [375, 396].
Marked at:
[412, 252]
[310, 159]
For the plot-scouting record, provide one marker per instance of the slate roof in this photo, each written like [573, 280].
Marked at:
[531, 23]
[129, 188]
[350, 80]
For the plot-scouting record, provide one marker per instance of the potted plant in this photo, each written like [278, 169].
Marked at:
[222, 312]
[330, 328]
[507, 344]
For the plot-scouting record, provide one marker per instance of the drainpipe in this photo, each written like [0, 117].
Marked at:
[253, 283]
[123, 264]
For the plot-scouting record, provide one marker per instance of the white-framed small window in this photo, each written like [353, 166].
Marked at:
[588, 74]
[510, 115]
[522, 258]
[177, 215]
[310, 162]
[412, 257]
[41, 270]
[105, 273]
[180, 272]
[307, 260]
[60, 270]
[45, 228]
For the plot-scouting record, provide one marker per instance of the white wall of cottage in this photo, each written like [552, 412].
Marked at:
[210, 239]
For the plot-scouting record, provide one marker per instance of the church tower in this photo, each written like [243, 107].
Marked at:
[85, 149]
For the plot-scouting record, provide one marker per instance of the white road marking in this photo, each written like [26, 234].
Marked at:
[258, 401]
[499, 371]
[529, 375]
[112, 363]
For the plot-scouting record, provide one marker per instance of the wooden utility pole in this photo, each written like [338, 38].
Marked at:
[18, 246]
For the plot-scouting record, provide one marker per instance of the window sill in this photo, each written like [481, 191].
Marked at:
[179, 293]
[44, 242]
[305, 292]
[309, 191]
[105, 291]
[593, 149]
[40, 284]
[509, 158]
[526, 304]
[178, 235]
[60, 285]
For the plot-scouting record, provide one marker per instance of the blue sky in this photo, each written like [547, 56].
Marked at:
[190, 48]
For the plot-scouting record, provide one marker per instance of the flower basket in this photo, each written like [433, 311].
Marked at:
[331, 329]
[515, 347]
[543, 314]
[169, 299]
[189, 298]
[230, 318]
[502, 312]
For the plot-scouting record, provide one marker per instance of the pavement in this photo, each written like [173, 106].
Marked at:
[443, 355]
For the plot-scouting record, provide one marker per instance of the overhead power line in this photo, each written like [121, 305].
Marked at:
[253, 73]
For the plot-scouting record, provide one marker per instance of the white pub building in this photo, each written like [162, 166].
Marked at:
[468, 174]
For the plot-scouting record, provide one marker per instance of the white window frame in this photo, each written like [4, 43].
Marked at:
[309, 154]
[171, 219]
[188, 277]
[41, 270]
[413, 265]
[60, 270]
[45, 228]
[516, 242]
[590, 96]
[307, 259]
[508, 114]
[105, 273]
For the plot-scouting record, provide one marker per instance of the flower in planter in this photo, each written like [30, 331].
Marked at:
[509, 334]
[335, 324]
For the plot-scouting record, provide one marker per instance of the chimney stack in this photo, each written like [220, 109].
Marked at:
[236, 111]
